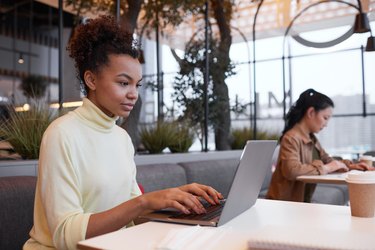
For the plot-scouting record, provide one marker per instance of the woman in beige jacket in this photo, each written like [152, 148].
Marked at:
[300, 150]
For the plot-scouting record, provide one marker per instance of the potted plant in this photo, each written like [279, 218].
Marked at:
[242, 135]
[24, 130]
[173, 135]
[183, 138]
[34, 86]
[156, 138]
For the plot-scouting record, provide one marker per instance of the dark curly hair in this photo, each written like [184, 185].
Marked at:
[308, 98]
[95, 39]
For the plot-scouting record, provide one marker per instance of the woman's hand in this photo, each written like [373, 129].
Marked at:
[334, 166]
[206, 192]
[184, 198]
[361, 166]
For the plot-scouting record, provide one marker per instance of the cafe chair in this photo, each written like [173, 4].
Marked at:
[372, 153]
[16, 210]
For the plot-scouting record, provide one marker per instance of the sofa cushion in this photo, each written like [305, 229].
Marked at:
[216, 173]
[16, 210]
[334, 194]
[160, 176]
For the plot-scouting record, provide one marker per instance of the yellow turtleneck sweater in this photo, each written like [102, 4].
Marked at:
[86, 165]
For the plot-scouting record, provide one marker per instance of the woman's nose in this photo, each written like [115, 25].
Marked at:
[133, 93]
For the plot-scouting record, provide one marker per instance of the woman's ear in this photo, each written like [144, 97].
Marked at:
[310, 112]
[89, 78]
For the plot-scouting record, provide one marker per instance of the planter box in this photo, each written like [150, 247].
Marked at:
[18, 167]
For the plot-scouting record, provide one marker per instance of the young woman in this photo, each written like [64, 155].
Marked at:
[86, 175]
[300, 151]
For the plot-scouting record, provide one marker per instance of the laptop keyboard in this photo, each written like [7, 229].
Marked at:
[212, 211]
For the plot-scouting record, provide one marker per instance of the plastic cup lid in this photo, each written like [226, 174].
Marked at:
[367, 177]
[366, 157]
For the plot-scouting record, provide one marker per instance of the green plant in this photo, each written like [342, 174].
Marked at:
[34, 86]
[24, 130]
[156, 138]
[173, 135]
[241, 136]
[183, 138]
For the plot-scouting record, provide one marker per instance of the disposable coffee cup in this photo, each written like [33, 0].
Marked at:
[367, 159]
[362, 193]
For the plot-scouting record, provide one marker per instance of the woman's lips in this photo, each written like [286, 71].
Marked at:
[128, 106]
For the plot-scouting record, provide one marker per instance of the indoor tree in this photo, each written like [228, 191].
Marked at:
[189, 88]
[161, 14]
[192, 68]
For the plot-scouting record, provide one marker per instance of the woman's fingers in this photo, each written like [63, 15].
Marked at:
[179, 206]
[360, 166]
[181, 200]
[210, 193]
[184, 198]
[191, 202]
[206, 192]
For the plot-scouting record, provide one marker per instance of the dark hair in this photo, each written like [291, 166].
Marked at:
[94, 39]
[308, 98]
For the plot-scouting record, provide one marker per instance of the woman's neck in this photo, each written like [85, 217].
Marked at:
[304, 127]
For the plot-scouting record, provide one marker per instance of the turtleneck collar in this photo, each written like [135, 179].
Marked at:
[94, 117]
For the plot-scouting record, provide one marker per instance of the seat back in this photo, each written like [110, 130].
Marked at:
[267, 179]
[216, 173]
[372, 153]
[154, 177]
[16, 210]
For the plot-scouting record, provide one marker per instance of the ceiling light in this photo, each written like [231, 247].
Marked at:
[361, 24]
[370, 46]
[20, 59]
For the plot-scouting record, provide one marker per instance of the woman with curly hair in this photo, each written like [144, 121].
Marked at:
[300, 151]
[86, 175]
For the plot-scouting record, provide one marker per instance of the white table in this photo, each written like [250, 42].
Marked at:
[334, 178]
[267, 217]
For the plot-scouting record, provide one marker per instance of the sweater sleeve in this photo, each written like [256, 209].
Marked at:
[290, 160]
[61, 195]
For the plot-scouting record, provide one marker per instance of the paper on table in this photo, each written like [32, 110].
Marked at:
[193, 237]
[305, 238]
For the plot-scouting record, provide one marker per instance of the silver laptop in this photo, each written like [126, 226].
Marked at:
[254, 163]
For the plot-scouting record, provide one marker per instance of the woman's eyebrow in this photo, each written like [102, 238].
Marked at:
[129, 77]
[125, 75]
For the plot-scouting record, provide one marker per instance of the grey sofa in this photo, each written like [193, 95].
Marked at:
[17, 192]
[16, 210]
[216, 173]
[219, 174]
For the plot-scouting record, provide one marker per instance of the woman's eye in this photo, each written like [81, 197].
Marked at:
[139, 85]
[124, 83]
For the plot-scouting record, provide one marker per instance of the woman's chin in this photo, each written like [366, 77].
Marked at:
[124, 114]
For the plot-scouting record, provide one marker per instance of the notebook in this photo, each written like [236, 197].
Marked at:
[308, 237]
[254, 163]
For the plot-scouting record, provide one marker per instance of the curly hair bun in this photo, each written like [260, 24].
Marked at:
[94, 39]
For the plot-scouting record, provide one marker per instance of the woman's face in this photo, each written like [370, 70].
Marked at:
[114, 88]
[318, 119]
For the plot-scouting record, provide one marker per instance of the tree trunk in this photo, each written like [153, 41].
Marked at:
[222, 12]
[130, 16]
[131, 123]
[129, 20]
